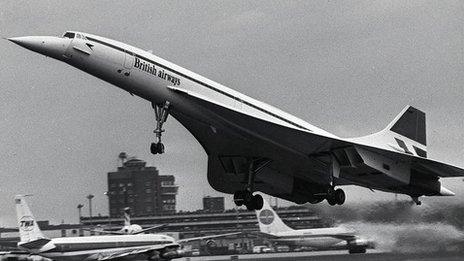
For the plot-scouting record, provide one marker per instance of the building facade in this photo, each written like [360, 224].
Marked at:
[198, 223]
[142, 189]
[213, 204]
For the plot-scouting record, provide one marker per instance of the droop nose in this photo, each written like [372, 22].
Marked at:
[47, 45]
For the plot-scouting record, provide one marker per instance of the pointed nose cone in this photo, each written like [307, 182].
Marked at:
[33, 43]
[15, 40]
[46, 45]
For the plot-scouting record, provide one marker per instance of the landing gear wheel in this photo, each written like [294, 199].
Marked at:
[258, 202]
[153, 148]
[160, 147]
[339, 196]
[249, 206]
[331, 201]
[335, 197]
[157, 148]
[244, 197]
[239, 197]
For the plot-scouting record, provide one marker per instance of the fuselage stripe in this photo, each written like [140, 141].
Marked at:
[197, 81]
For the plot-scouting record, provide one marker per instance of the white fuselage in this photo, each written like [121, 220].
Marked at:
[319, 238]
[93, 247]
[149, 76]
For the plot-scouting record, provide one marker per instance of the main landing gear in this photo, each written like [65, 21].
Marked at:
[161, 114]
[246, 197]
[335, 196]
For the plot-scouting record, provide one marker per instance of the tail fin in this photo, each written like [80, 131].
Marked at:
[406, 133]
[410, 123]
[127, 221]
[269, 221]
[28, 229]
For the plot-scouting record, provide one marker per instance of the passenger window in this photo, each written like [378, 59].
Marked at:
[68, 35]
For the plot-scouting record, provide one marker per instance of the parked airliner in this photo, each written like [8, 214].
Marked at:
[252, 146]
[97, 248]
[272, 226]
[128, 228]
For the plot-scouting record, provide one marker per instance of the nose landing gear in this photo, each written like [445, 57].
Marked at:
[161, 115]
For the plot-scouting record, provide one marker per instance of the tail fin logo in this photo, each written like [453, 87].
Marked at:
[26, 223]
[266, 217]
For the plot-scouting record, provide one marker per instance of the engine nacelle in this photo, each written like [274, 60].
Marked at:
[358, 243]
[171, 254]
[357, 246]
[305, 191]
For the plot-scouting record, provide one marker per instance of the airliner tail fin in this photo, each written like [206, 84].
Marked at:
[269, 221]
[28, 229]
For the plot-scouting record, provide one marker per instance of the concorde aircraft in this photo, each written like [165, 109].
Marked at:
[252, 146]
[272, 227]
[95, 248]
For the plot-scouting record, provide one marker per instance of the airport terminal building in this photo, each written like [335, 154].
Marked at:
[142, 189]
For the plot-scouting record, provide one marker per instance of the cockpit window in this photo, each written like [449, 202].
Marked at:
[69, 35]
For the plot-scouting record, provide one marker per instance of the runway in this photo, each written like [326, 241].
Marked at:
[337, 255]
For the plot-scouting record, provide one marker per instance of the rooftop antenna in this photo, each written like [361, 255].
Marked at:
[123, 157]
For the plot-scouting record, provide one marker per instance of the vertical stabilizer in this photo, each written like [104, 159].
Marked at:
[406, 133]
[269, 221]
[27, 225]
[410, 123]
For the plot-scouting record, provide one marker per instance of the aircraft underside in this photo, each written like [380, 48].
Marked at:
[283, 162]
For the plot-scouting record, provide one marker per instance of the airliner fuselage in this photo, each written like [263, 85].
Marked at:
[250, 142]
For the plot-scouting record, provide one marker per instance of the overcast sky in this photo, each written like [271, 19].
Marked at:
[346, 66]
